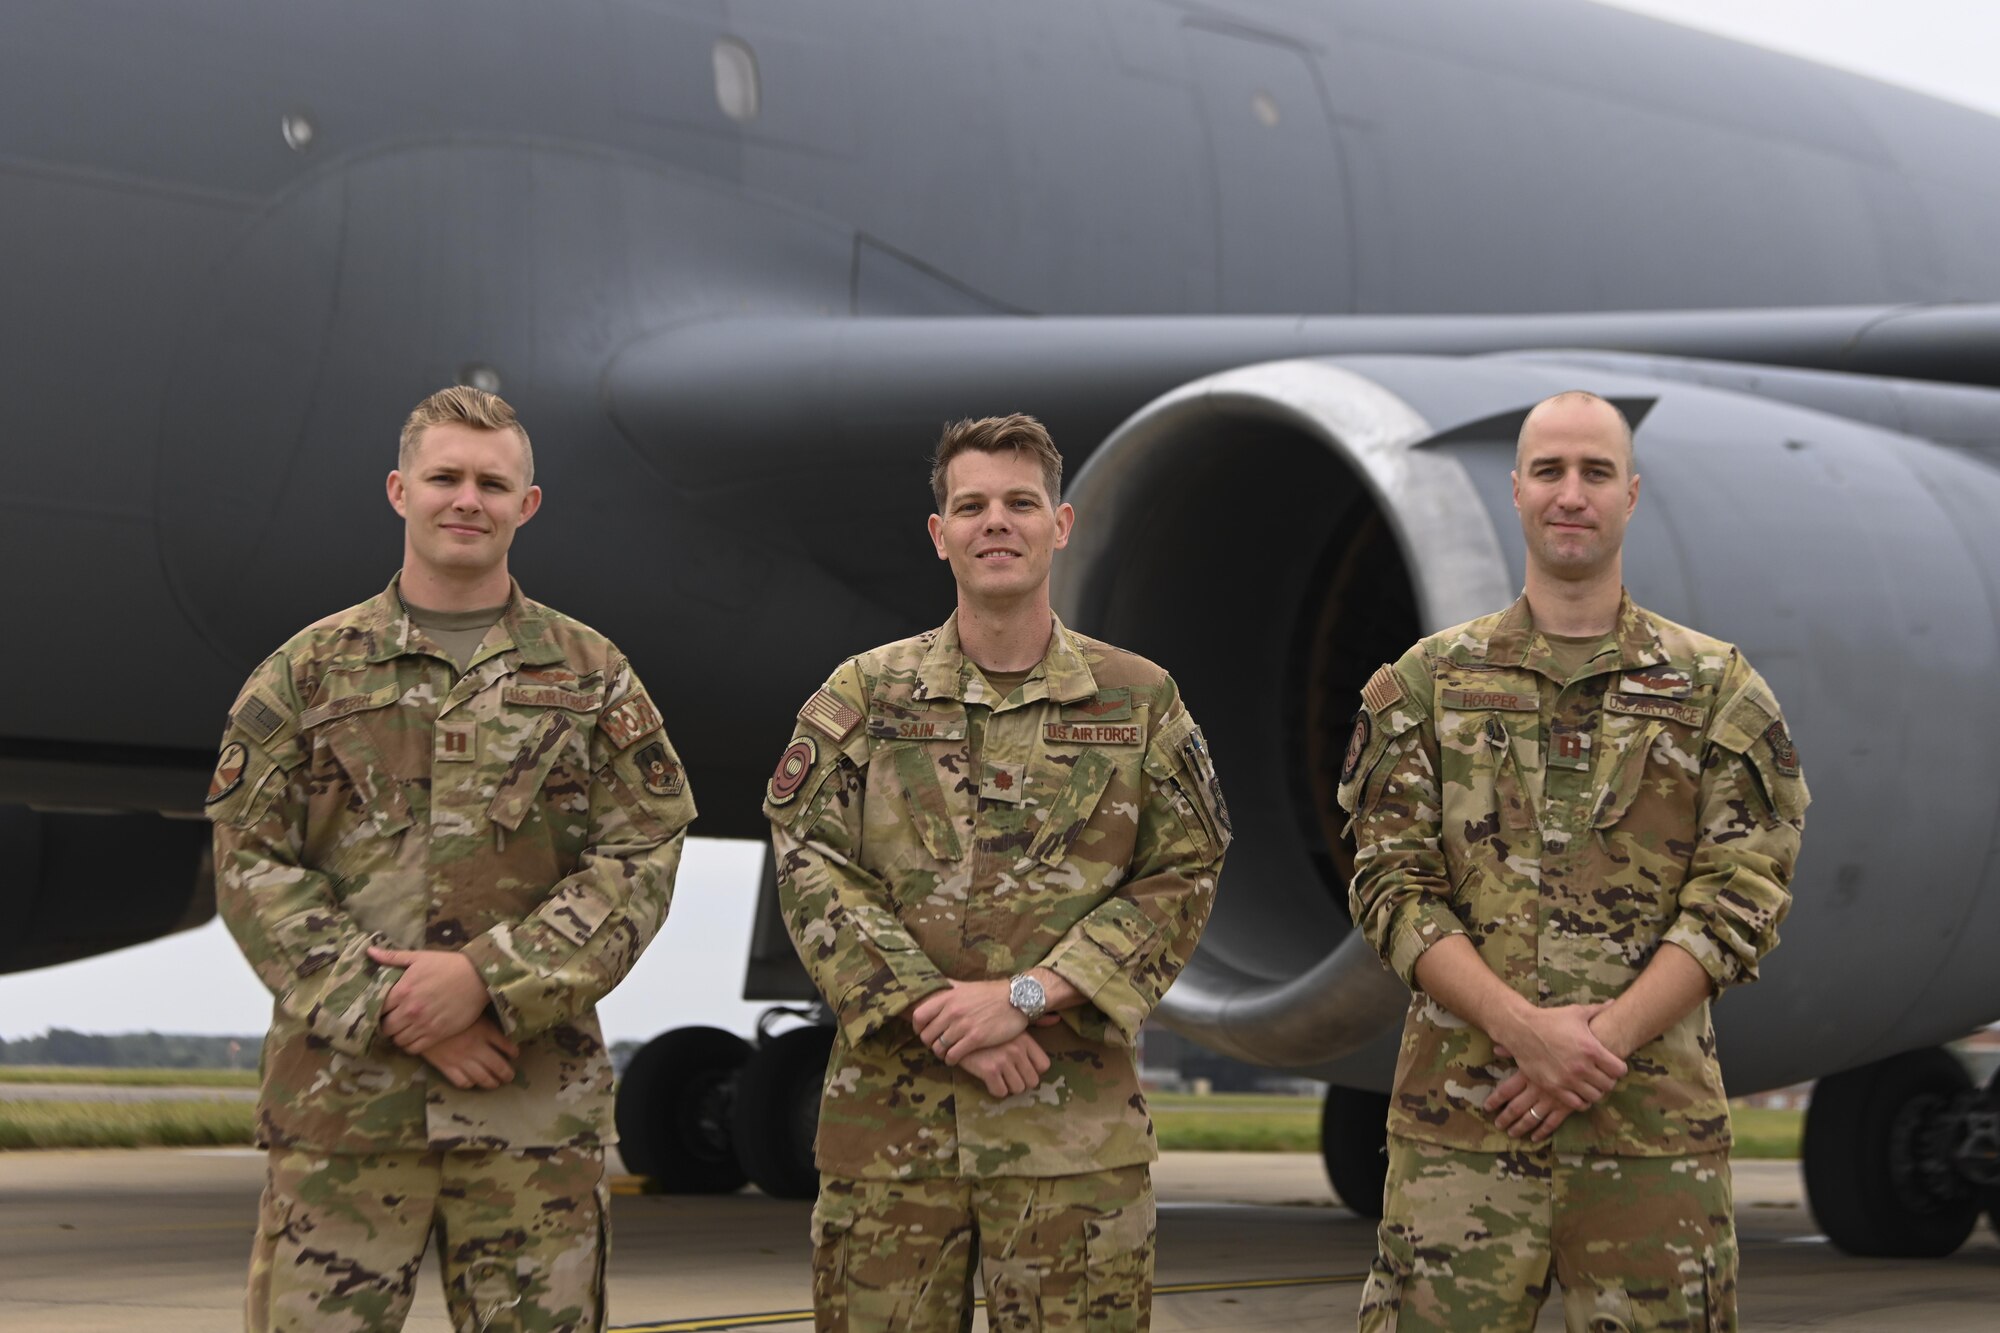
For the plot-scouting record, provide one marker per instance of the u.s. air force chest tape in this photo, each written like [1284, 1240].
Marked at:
[1105, 718]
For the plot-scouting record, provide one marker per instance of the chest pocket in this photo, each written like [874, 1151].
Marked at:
[935, 782]
[1628, 743]
[1480, 784]
[521, 781]
[343, 726]
[1070, 811]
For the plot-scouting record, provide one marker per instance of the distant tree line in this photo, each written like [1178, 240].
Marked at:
[132, 1050]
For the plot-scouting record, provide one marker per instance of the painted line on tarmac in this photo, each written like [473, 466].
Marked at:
[716, 1323]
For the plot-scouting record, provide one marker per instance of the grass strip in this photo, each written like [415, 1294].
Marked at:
[1226, 1122]
[129, 1078]
[165, 1124]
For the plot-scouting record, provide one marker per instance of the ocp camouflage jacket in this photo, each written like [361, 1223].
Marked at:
[1570, 830]
[529, 813]
[926, 830]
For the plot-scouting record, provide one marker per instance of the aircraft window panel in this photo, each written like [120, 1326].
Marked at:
[736, 87]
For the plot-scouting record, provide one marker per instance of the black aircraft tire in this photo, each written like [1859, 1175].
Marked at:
[673, 1111]
[1353, 1138]
[1875, 1178]
[777, 1112]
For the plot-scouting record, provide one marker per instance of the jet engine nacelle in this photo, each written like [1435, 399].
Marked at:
[1275, 532]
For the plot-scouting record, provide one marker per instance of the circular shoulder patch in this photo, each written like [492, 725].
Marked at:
[1357, 745]
[793, 765]
[228, 772]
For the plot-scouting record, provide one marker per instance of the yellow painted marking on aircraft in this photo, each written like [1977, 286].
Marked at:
[718, 1322]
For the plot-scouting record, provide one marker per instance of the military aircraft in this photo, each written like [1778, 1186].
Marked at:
[1281, 276]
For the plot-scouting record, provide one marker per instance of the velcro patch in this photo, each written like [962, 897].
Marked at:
[917, 728]
[1091, 733]
[342, 707]
[1112, 705]
[1650, 705]
[1383, 689]
[1662, 680]
[1004, 782]
[793, 766]
[831, 714]
[1783, 752]
[229, 768]
[1357, 745]
[552, 696]
[660, 774]
[457, 742]
[1505, 701]
[259, 718]
[630, 720]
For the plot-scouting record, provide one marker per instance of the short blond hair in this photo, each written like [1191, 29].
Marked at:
[469, 407]
[990, 435]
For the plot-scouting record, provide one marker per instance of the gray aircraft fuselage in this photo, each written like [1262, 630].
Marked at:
[238, 241]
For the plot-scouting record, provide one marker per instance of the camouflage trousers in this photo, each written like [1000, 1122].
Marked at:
[1056, 1252]
[522, 1238]
[1472, 1240]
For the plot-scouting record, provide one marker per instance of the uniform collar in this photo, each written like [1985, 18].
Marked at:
[1516, 642]
[524, 624]
[1063, 674]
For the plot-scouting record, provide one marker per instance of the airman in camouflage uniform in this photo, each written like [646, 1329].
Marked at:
[1569, 819]
[382, 810]
[937, 834]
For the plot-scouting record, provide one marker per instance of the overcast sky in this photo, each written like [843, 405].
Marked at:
[1942, 47]
[198, 983]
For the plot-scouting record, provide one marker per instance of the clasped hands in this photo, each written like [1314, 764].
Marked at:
[1563, 1064]
[974, 1025]
[437, 1009]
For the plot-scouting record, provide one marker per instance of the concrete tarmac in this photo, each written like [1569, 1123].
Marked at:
[156, 1240]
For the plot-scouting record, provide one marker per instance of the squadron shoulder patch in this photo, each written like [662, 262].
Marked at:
[660, 774]
[1783, 752]
[831, 714]
[629, 721]
[793, 766]
[229, 768]
[1382, 690]
[1357, 745]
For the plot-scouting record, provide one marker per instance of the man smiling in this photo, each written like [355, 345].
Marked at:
[997, 843]
[446, 821]
[1575, 822]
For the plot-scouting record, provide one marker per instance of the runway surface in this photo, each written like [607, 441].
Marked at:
[156, 1240]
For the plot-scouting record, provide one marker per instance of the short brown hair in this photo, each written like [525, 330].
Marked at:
[467, 406]
[990, 435]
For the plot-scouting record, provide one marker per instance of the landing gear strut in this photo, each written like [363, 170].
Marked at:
[1901, 1154]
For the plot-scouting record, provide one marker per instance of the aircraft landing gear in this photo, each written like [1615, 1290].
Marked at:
[701, 1111]
[777, 1107]
[1353, 1142]
[1900, 1154]
[673, 1111]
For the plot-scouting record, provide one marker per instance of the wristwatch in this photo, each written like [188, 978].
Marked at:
[1026, 994]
